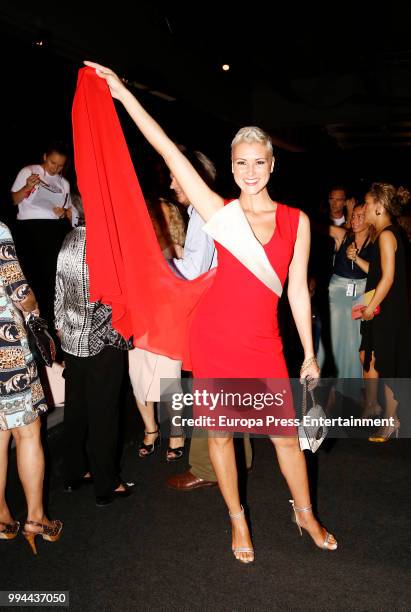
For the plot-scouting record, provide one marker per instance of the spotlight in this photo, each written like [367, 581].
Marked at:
[226, 67]
[39, 43]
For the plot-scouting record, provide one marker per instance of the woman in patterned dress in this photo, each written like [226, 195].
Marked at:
[21, 400]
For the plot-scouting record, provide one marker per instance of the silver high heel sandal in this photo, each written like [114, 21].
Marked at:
[327, 545]
[241, 549]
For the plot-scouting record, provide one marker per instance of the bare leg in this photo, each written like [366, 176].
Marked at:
[222, 455]
[5, 516]
[147, 414]
[293, 467]
[30, 463]
[371, 388]
[390, 408]
[384, 433]
[391, 403]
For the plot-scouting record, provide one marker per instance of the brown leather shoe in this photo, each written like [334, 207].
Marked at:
[187, 482]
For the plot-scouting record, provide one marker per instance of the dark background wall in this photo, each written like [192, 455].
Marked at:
[299, 92]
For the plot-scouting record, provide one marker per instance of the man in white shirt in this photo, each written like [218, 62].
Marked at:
[337, 202]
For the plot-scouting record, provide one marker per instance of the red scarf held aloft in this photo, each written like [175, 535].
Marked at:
[127, 268]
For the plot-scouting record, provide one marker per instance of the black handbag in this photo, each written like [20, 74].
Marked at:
[40, 342]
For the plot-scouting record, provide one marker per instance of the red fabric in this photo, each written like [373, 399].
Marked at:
[127, 268]
[235, 335]
[234, 331]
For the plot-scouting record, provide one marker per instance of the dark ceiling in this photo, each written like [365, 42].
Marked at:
[307, 76]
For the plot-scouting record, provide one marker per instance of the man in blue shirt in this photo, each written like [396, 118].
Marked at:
[200, 255]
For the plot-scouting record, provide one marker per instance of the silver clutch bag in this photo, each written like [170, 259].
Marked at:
[312, 429]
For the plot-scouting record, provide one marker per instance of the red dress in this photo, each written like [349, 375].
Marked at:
[234, 332]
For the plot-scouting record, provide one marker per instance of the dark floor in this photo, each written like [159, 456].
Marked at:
[165, 550]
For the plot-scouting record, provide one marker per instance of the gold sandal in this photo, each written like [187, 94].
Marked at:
[51, 533]
[10, 530]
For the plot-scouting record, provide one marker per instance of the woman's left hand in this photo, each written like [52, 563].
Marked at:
[367, 314]
[352, 252]
[310, 372]
[115, 84]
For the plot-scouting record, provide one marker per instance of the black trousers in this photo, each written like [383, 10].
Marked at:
[38, 243]
[91, 417]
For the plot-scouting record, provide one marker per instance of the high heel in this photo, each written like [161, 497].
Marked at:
[178, 453]
[10, 530]
[327, 544]
[394, 430]
[149, 448]
[51, 533]
[241, 549]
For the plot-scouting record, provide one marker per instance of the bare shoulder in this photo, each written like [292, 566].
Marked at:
[387, 239]
[303, 222]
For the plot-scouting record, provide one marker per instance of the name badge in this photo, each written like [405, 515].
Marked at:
[351, 290]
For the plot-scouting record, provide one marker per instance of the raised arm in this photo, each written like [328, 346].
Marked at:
[204, 200]
[350, 203]
[24, 184]
[335, 232]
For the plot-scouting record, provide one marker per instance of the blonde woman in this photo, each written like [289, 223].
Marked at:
[234, 332]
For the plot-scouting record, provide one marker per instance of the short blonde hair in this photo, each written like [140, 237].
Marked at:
[251, 134]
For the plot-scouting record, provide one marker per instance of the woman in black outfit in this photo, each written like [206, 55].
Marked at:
[385, 346]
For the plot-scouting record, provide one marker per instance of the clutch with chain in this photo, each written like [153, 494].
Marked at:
[312, 430]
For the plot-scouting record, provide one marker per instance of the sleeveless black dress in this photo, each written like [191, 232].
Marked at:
[388, 334]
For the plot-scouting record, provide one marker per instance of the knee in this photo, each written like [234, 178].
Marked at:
[286, 443]
[27, 432]
[219, 442]
[5, 439]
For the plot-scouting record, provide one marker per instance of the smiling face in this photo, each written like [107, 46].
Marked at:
[53, 163]
[252, 165]
[358, 221]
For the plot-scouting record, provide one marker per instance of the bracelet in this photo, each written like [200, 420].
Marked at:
[307, 362]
